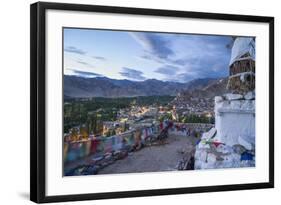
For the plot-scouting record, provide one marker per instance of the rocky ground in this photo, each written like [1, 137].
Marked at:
[164, 157]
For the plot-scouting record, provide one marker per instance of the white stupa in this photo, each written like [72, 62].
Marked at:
[232, 142]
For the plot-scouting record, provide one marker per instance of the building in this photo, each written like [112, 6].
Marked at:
[235, 113]
[232, 142]
[242, 66]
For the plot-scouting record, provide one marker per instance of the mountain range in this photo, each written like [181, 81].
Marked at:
[81, 87]
[214, 88]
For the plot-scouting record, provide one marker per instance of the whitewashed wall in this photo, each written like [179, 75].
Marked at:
[232, 123]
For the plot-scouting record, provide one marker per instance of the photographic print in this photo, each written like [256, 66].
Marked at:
[132, 102]
[137, 101]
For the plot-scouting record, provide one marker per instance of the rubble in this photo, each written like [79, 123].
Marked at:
[210, 153]
[187, 151]
[97, 163]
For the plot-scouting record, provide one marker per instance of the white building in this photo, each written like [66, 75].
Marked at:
[235, 119]
[232, 142]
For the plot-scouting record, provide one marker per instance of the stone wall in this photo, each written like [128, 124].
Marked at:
[186, 128]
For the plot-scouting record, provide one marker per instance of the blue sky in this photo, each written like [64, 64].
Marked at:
[145, 55]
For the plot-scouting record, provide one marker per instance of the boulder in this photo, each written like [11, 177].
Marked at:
[235, 104]
[238, 149]
[248, 105]
[218, 99]
[245, 142]
[250, 95]
[224, 149]
[231, 96]
[211, 159]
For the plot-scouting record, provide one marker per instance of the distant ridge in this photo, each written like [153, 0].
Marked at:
[80, 87]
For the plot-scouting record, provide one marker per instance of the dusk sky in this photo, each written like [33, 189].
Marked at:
[139, 56]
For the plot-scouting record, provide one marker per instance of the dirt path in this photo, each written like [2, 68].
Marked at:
[151, 159]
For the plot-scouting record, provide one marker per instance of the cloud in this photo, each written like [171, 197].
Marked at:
[152, 58]
[132, 74]
[154, 44]
[193, 56]
[215, 66]
[99, 58]
[167, 70]
[85, 73]
[184, 77]
[181, 61]
[84, 63]
[203, 57]
[72, 49]
[219, 66]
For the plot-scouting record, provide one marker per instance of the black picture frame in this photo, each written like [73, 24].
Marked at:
[38, 101]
